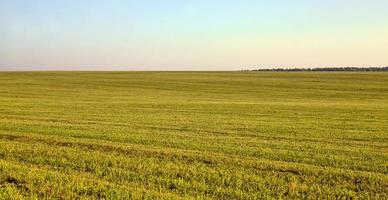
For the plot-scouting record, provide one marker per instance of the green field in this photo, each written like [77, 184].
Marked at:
[193, 135]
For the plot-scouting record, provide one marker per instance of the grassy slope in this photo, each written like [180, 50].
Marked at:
[193, 134]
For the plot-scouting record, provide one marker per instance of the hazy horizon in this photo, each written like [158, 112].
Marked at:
[191, 35]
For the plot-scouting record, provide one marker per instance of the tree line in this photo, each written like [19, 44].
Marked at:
[325, 69]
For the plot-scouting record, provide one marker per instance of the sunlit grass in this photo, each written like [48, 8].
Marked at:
[171, 135]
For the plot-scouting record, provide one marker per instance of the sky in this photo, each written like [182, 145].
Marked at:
[191, 34]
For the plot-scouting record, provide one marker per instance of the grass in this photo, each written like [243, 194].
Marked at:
[193, 135]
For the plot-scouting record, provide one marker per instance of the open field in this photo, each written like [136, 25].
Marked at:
[193, 135]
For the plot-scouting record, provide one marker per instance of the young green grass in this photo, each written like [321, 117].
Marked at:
[193, 135]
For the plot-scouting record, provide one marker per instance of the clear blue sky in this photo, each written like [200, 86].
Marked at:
[191, 34]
